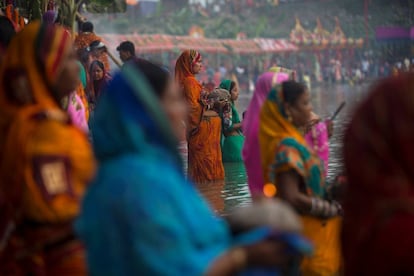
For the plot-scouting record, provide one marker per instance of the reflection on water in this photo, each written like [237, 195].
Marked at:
[325, 99]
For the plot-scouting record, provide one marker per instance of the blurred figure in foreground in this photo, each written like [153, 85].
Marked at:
[293, 172]
[46, 161]
[7, 31]
[138, 221]
[251, 148]
[378, 150]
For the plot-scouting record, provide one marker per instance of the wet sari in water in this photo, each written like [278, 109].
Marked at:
[233, 143]
[203, 132]
[284, 149]
[46, 161]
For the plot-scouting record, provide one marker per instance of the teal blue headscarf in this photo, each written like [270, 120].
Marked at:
[140, 216]
[82, 75]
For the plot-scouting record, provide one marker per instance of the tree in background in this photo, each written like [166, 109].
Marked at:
[67, 9]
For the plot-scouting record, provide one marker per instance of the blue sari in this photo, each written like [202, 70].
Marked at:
[140, 216]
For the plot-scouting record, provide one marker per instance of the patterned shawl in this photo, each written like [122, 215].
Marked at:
[283, 148]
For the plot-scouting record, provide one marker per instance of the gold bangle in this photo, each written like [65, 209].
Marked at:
[239, 257]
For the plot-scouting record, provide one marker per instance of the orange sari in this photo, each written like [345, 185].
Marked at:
[204, 133]
[46, 162]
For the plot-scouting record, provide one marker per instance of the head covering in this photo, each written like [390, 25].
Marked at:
[283, 148]
[96, 87]
[31, 67]
[379, 160]
[226, 84]
[251, 150]
[183, 67]
[128, 119]
[233, 116]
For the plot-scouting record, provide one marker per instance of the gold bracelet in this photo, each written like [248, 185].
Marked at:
[239, 257]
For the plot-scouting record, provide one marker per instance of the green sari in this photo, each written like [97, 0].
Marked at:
[232, 145]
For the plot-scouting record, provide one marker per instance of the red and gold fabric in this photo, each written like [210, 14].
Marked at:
[46, 162]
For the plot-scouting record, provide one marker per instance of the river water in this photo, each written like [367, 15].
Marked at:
[225, 195]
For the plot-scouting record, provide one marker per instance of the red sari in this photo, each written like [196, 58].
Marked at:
[379, 205]
[204, 133]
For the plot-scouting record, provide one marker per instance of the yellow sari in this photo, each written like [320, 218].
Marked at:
[46, 162]
[283, 149]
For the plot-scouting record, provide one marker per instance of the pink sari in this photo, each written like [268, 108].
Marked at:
[317, 138]
[251, 148]
[76, 111]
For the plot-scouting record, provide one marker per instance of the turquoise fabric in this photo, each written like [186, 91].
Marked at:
[82, 75]
[292, 152]
[140, 216]
[232, 148]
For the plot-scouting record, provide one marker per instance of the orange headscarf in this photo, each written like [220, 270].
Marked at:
[31, 68]
[184, 65]
[33, 61]
[274, 127]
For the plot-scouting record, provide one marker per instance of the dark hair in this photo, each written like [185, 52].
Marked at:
[96, 62]
[87, 27]
[292, 90]
[96, 44]
[127, 46]
[156, 75]
[7, 31]
[83, 55]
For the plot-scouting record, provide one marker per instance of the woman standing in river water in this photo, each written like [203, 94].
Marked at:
[297, 175]
[203, 125]
[234, 139]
